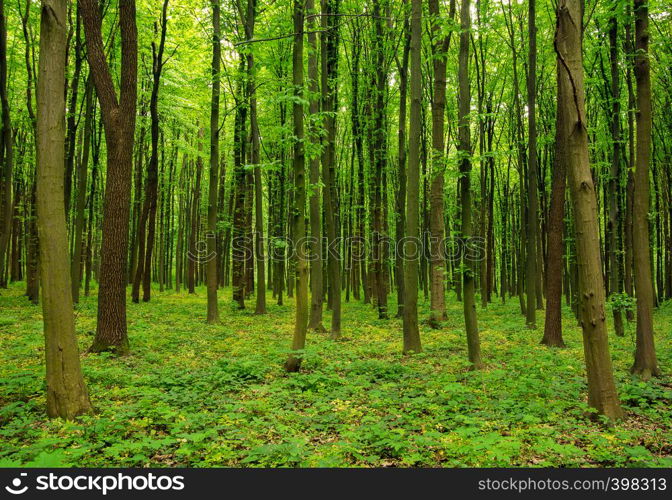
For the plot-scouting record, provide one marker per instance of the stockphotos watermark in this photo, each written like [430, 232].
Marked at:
[103, 483]
[356, 248]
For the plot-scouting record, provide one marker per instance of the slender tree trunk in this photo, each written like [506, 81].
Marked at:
[211, 237]
[532, 196]
[6, 152]
[329, 104]
[468, 275]
[152, 184]
[80, 205]
[316, 281]
[615, 174]
[411, 249]
[400, 202]
[239, 255]
[193, 255]
[71, 137]
[67, 396]
[119, 122]
[440, 46]
[554, 265]
[646, 364]
[379, 157]
[630, 186]
[255, 159]
[92, 210]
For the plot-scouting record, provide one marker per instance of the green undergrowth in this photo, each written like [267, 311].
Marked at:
[191, 394]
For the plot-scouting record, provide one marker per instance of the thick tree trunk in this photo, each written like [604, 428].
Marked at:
[602, 393]
[67, 396]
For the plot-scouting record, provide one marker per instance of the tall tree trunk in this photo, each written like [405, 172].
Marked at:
[293, 363]
[32, 239]
[71, 137]
[193, 255]
[412, 342]
[602, 393]
[645, 364]
[80, 204]
[440, 46]
[119, 122]
[379, 164]
[67, 396]
[239, 255]
[255, 159]
[6, 152]
[211, 237]
[615, 174]
[329, 44]
[316, 281]
[554, 265]
[532, 197]
[630, 186]
[152, 184]
[400, 202]
[92, 210]
[468, 274]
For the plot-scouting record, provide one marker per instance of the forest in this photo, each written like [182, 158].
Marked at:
[336, 233]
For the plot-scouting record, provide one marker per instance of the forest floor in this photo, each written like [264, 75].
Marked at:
[191, 394]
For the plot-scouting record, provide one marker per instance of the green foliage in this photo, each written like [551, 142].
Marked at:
[192, 394]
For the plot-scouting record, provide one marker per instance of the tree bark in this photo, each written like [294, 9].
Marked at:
[211, 265]
[614, 174]
[532, 196]
[80, 203]
[411, 248]
[440, 46]
[119, 122]
[379, 164]
[6, 152]
[329, 43]
[646, 364]
[316, 278]
[255, 159]
[67, 396]
[464, 134]
[293, 363]
[400, 201]
[554, 265]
